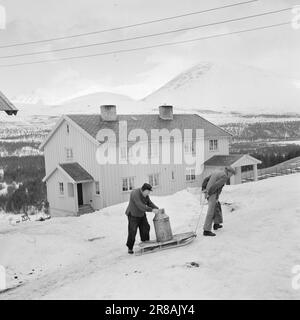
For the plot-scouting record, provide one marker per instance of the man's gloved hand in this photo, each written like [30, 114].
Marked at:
[206, 194]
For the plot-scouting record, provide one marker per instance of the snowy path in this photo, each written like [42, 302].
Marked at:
[251, 258]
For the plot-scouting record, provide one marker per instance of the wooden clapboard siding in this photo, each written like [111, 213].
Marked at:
[63, 203]
[110, 176]
[84, 152]
[223, 147]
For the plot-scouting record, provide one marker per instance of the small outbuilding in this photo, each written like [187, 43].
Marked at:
[7, 106]
[237, 161]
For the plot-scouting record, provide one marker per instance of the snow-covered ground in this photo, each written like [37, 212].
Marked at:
[85, 258]
[286, 142]
[3, 189]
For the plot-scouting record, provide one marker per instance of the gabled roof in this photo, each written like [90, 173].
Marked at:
[73, 171]
[90, 124]
[7, 106]
[234, 160]
[93, 123]
[57, 126]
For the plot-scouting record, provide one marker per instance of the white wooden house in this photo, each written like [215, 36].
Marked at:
[77, 183]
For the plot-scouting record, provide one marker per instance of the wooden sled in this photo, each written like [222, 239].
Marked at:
[178, 240]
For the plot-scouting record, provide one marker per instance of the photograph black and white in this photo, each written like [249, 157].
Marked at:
[150, 150]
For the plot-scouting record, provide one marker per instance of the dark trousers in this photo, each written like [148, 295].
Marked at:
[133, 224]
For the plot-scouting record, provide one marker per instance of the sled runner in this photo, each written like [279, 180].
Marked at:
[178, 240]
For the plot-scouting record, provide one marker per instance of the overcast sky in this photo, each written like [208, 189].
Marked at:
[137, 73]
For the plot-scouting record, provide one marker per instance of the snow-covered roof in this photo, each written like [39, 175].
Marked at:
[6, 105]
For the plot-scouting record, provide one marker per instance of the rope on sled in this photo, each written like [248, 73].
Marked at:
[202, 200]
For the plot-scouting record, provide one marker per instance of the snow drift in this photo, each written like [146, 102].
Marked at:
[85, 258]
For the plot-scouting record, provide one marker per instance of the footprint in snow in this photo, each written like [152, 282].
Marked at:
[192, 264]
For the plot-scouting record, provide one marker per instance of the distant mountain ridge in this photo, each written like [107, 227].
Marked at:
[222, 93]
[229, 88]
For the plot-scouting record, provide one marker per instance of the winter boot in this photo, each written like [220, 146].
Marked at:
[217, 226]
[130, 251]
[208, 233]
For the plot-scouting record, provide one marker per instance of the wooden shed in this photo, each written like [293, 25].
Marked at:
[236, 161]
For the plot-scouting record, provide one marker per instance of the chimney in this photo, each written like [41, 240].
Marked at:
[109, 113]
[166, 112]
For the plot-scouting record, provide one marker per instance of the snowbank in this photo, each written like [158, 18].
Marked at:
[86, 258]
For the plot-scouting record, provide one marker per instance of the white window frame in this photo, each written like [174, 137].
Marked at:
[129, 184]
[97, 188]
[69, 154]
[190, 174]
[154, 180]
[188, 147]
[172, 175]
[154, 149]
[213, 144]
[123, 153]
[61, 188]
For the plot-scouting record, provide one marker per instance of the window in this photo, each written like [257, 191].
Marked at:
[130, 153]
[188, 147]
[68, 129]
[123, 153]
[154, 179]
[69, 153]
[173, 175]
[213, 145]
[97, 187]
[190, 174]
[61, 188]
[70, 190]
[154, 150]
[127, 184]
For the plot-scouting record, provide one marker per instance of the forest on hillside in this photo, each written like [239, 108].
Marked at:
[23, 176]
[264, 130]
[270, 155]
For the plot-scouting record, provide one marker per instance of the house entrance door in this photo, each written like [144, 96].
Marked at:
[79, 194]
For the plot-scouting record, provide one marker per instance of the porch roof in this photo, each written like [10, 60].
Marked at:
[76, 172]
[234, 160]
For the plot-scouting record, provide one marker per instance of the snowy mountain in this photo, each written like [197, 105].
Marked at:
[86, 258]
[83, 104]
[33, 111]
[91, 104]
[229, 88]
[220, 92]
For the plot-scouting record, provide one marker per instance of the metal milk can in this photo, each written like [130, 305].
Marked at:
[162, 226]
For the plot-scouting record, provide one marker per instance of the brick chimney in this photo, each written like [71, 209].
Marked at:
[166, 112]
[109, 112]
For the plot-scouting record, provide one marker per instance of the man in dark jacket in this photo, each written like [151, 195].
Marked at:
[139, 204]
[214, 187]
